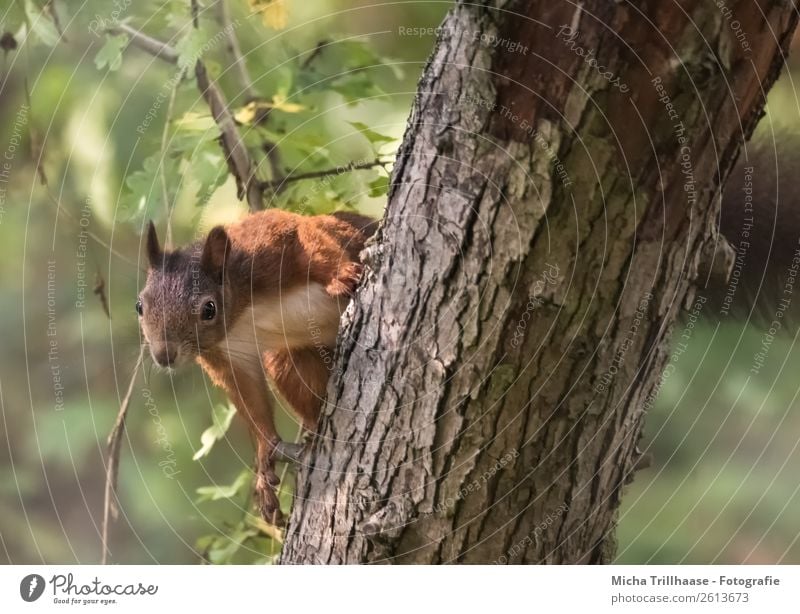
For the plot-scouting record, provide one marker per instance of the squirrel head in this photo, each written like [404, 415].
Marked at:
[182, 306]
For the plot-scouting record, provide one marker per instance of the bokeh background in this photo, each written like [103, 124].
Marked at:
[723, 484]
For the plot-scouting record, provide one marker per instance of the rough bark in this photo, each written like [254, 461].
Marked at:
[485, 407]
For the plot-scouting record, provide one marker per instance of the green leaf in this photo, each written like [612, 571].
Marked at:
[110, 53]
[223, 548]
[145, 185]
[215, 493]
[283, 81]
[190, 48]
[372, 136]
[222, 416]
[210, 172]
[41, 25]
[359, 53]
[356, 87]
[378, 187]
[191, 120]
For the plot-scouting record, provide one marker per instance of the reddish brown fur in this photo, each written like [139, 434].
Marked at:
[251, 267]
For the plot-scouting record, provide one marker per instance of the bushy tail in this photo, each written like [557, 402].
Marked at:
[760, 219]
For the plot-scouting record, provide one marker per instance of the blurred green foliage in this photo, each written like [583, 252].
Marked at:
[124, 138]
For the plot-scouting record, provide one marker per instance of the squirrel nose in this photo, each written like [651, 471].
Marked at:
[166, 356]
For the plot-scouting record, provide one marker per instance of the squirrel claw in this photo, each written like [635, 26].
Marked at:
[347, 280]
[267, 498]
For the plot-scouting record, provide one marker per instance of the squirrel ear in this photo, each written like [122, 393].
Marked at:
[215, 252]
[154, 255]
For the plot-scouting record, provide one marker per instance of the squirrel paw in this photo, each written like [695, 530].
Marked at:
[347, 279]
[267, 498]
[288, 452]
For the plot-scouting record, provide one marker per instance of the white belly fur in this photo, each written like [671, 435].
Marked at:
[303, 317]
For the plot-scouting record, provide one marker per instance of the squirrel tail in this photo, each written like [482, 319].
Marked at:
[760, 220]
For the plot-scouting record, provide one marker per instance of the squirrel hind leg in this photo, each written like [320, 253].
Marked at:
[301, 377]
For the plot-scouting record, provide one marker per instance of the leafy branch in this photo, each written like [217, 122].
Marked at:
[238, 158]
[340, 170]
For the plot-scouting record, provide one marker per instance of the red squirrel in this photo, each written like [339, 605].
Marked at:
[260, 298]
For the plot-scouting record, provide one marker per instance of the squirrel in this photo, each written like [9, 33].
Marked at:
[260, 298]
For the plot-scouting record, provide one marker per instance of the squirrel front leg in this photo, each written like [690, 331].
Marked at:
[330, 262]
[254, 403]
[247, 390]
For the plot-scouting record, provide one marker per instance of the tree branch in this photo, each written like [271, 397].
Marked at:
[237, 157]
[146, 43]
[340, 170]
[112, 466]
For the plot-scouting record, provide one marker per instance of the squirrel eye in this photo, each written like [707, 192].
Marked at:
[209, 311]
[139, 306]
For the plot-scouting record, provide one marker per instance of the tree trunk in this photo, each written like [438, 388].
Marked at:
[544, 225]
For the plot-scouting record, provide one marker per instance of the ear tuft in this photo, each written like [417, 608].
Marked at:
[154, 255]
[215, 252]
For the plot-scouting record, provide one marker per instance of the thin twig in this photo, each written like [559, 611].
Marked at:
[99, 291]
[235, 49]
[340, 170]
[163, 172]
[236, 154]
[315, 53]
[112, 465]
[146, 43]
